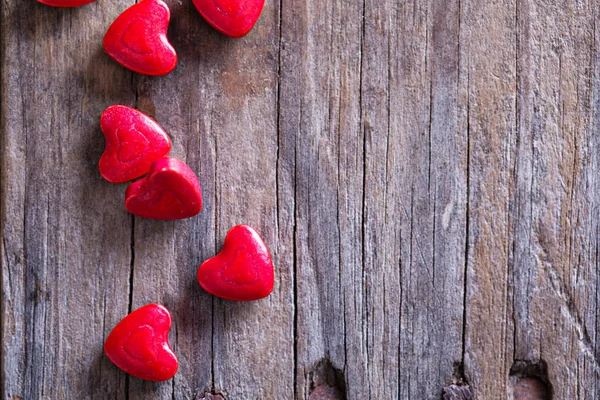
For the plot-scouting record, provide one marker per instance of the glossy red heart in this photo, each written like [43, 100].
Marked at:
[137, 39]
[65, 3]
[170, 191]
[139, 344]
[234, 18]
[133, 142]
[242, 271]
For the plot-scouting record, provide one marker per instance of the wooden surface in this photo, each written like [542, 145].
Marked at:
[425, 173]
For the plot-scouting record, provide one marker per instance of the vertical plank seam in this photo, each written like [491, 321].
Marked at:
[593, 66]
[28, 373]
[530, 269]
[411, 261]
[467, 189]
[2, 308]
[174, 326]
[467, 226]
[387, 160]
[212, 336]
[131, 263]
[295, 258]
[101, 372]
[363, 128]
[596, 298]
[389, 119]
[3, 211]
[295, 283]
[44, 293]
[339, 229]
[135, 86]
[593, 52]
[175, 377]
[435, 297]
[429, 175]
[130, 300]
[399, 242]
[3, 63]
[278, 127]
[212, 346]
[430, 127]
[277, 188]
[510, 259]
[510, 247]
[400, 320]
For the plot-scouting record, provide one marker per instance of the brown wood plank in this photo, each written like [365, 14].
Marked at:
[424, 173]
[532, 282]
[321, 155]
[491, 123]
[220, 106]
[555, 229]
[65, 233]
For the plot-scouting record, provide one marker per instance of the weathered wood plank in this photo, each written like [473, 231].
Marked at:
[532, 264]
[423, 172]
[434, 211]
[65, 245]
[488, 33]
[554, 235]
[322, 155]
[220, 106]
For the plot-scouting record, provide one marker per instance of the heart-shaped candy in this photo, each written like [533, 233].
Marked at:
[133, 142]
[170, 191]
[233, 18]
[65, 3]
[139, 344]
[137, 39]
[242, 271]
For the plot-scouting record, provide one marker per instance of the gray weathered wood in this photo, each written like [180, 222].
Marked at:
[424, 173]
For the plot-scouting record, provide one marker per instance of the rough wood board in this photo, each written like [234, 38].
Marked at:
[425, 174]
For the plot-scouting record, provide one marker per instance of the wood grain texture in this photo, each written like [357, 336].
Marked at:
[424, 173]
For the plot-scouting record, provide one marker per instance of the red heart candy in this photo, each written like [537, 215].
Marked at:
[242, 271]
[133, 142]
[233, 18]
[170, 191]
[65, 3]
[137, 39]
[139, 344]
